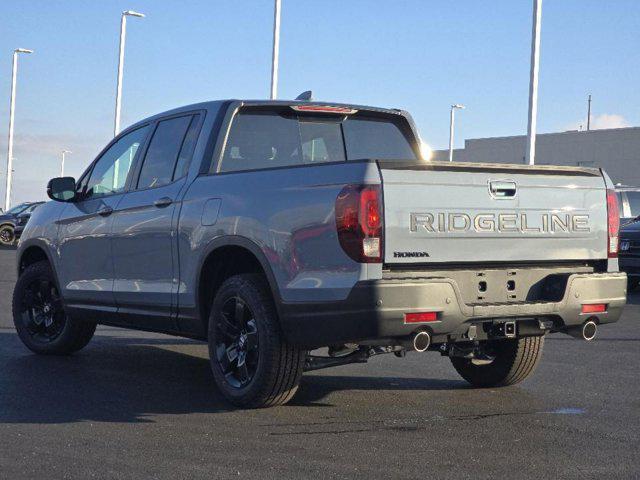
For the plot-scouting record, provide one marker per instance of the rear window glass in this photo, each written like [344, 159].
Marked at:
[379, 139]
[266, 139]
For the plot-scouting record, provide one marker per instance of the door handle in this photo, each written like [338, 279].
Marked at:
[105, 211]
[163, 202]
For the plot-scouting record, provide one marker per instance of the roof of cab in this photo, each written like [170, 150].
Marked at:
[216, 104]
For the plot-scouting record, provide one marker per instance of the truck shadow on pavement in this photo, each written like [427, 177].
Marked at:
[112, 380]
[315, 388]
[119, 379]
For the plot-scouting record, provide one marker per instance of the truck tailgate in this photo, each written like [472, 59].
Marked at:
[441, 212]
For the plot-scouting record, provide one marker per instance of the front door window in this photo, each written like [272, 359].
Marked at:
[109, 174]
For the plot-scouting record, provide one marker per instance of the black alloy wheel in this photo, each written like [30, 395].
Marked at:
[42, 311]
[39, 314]
[237, 344]
[252, 363]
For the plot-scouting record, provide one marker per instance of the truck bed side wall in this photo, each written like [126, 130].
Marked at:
[288, 215]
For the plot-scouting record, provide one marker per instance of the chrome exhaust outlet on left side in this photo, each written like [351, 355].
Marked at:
[587, 331]
[417, 342]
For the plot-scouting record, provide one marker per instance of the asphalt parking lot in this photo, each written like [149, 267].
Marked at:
[137, 405]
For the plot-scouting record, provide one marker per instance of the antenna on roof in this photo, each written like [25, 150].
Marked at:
[308, 95]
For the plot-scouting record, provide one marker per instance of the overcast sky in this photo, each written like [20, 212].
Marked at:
[418, 55]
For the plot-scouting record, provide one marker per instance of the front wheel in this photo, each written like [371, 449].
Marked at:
[513, 361]
[7, 235]
[252, 363]
[39, 316]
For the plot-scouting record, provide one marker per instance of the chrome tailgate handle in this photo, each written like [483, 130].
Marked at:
[502, 189]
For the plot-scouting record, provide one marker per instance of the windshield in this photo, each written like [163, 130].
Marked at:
[17, 209]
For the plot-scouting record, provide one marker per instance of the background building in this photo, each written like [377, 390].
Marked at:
[617, 150]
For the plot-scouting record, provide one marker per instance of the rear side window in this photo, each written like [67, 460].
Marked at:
[265, 139]
[164, 153]
[188, 146]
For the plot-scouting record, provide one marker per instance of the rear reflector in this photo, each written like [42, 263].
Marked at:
[594, 308]
[420, 317]
[324, 109]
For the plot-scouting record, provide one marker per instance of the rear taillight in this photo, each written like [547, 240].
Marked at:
[613, 220]
[359, 222]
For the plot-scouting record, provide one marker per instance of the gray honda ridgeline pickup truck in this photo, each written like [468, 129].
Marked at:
[273, 228]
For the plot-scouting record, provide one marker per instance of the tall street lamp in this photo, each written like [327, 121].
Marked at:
[14, 74]
[64, 152]
[454, 107]
[530, 154]
[123, 34]
[276, 50]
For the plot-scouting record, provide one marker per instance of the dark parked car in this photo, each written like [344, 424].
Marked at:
[9, 221]
[630, 253]
[629, 201]
[21, 222]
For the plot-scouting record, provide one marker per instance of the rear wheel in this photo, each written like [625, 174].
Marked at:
[39, 316]
[513, 361]
[7, 235]
[252, 363]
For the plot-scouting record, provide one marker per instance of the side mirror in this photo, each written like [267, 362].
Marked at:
[62, 189]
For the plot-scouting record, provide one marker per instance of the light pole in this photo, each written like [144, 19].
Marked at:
[14, 74]
[452, 120]
[530, 154]
[276, 50]
[123, 34]
[62, 162]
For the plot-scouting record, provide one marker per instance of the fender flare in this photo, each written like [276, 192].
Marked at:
[255, 250]
[42, 245]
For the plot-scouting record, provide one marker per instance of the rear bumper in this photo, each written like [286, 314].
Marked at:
[375, 309]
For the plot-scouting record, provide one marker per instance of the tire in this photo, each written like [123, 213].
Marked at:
[514, 361]
[45, 330]
[244, 329]
[7, 236]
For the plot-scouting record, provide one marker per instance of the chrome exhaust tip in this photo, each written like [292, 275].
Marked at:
[587, 331]
[421, 341]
